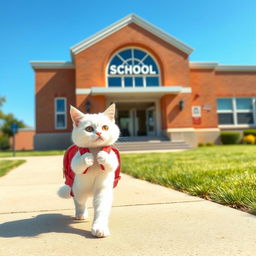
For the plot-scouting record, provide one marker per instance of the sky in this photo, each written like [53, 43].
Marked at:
[222, 31]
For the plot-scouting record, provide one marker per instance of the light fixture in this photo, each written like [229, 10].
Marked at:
[181, 104]
[88, 106]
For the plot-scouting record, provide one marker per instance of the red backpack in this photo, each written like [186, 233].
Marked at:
[69, 175]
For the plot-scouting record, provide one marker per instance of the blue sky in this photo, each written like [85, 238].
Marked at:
[222, 31]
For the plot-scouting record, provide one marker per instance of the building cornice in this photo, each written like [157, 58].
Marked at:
[52, 65]
[132, 18]
[134, 91]
[240, 68]
[222, 68]
[203, 65]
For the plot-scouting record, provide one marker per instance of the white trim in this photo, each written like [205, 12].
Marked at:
[192, 130]
[241, 68]
[135, 90]
[239, 126]
[180, 129]
[186, 90]
[60, 113]
[132, 18]
[222, 68]
[52, 65]
[207, 129]
[80, 91]
[203, 65]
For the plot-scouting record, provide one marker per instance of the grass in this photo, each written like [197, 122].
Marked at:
[7, 165]
[223, 174]
[32, 153]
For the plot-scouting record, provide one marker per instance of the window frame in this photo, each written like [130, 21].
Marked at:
[56, 113]
[107, 75]
[236, 111]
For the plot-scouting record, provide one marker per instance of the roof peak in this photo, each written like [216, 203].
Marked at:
[131, 18]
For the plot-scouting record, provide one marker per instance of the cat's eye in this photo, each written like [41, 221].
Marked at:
[104, 127]
[89, 128]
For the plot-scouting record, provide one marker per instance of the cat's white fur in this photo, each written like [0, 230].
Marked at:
[95, 182]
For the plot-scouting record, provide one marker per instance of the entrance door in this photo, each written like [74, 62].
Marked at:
[151, 121]
[125, 123]
[136, 119]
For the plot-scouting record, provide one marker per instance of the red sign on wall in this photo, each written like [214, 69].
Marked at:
[196, 120]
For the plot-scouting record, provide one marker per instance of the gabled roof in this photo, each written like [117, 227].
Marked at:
[132, 18]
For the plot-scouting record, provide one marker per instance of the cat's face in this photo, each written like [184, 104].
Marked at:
[94, 130]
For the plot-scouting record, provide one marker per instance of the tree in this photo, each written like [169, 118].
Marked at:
[6, 121]
[9, 119]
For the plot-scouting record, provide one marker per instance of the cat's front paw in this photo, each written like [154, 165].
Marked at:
[88, 159]
[102, 157]
[100, 231]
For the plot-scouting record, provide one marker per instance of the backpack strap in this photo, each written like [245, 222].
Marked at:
[118, 169]
[83, 151]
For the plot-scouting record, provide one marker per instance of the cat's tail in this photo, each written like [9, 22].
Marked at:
[64, 191]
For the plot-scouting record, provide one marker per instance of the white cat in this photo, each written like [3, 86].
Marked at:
[94, 171]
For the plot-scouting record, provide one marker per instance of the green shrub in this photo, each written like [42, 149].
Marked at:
[201, 144]
[209, 144]
[250, 132]
[230, 137]
[4, 142]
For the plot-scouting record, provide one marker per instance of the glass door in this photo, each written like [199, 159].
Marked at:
[125, 123]
[151, 121]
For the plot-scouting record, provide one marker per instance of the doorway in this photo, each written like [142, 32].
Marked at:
[136, 119]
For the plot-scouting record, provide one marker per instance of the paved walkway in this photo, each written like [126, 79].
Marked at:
[146, 219]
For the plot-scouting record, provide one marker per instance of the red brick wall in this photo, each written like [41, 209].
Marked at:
[91, 67]
[172, 116]
[203, 93]
[90, 71]
[92, 62]
[24, 140]
[52, 83]
[235, 84]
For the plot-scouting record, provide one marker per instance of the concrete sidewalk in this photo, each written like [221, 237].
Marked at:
[146, 219]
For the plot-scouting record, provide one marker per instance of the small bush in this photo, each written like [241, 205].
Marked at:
[250, 132]
[230, 137]
[209, 144]
[4, 142]
[201, 144]
[249, 139]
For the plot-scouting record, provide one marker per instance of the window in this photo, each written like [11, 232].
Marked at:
[236, 111]
[60, 113]
[132, 68]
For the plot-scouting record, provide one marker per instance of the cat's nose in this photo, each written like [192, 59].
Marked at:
[98, 133]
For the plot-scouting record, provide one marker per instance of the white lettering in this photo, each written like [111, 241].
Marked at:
[131, 70]
[120, 70]
[151, 71]
[144, 70]
[113, 69]
[128, 70]
[136, 69]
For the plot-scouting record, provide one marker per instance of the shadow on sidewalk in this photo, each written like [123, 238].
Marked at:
[41, 224]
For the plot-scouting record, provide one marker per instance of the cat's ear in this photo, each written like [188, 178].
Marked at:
[76, 115]
[110, 112]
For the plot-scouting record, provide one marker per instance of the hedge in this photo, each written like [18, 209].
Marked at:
[230, 137]
[250, 132]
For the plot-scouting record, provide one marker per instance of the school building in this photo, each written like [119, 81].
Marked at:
[157, 90]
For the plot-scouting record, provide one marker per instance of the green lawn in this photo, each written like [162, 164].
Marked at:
[32, 153]
[224, 174]
[7, 165]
